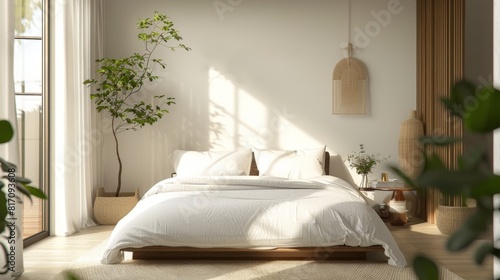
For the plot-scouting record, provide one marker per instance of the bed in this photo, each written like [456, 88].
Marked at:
[293, 210]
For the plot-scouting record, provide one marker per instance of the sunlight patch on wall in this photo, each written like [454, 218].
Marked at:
[237, 119]
[233, 113]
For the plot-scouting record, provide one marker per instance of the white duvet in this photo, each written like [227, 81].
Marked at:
[251, 212]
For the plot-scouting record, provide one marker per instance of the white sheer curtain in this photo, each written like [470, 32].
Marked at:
[76, 44]
[10, 151]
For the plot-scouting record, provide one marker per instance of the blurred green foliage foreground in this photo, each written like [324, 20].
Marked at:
[479, 110]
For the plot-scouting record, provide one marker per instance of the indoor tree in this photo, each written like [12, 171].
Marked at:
[120, 81]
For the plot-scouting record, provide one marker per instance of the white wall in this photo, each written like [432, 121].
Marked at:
[478, 58]
[259, 75]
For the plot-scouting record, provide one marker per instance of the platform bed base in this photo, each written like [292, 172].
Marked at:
[312, 253]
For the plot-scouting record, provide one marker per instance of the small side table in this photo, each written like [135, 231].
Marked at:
[397, 218]
[397, 193]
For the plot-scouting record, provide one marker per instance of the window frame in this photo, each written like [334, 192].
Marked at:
[45, 128]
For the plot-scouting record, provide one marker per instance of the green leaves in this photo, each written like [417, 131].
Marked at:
[438, 140]
[461, 93]
[6, 165]
[6, 131]
[362, 161]
[69, 275]
[484, 250]
[472, 176]
[469, 231]
[120, 81]
[477, 107]
[403, 176]
[425, 269]
[3, 212]
[118, 87]
[141, 114]
[159, 30]
[448, 181]
[36, 192]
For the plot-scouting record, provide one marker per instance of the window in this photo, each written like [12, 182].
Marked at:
[30, 49]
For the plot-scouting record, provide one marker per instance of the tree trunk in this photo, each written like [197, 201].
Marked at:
[119, 185]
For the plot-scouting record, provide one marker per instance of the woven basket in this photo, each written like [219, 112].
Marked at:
[108, 209]
[410, 148]
[451, 218]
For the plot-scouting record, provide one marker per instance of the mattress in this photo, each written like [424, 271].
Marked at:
[251, 212]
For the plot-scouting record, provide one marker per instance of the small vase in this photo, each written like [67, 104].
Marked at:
[365, 183]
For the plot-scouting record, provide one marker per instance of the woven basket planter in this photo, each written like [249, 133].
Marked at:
[108, 209]
[451, 218]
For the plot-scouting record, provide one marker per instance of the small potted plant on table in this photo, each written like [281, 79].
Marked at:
[364, 163]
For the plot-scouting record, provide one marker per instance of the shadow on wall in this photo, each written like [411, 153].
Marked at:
[339, 169]
[229, 117]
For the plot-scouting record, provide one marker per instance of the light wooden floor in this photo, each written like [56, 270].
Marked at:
[426, 238]
[48, 257]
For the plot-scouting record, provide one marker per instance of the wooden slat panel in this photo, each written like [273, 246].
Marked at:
[440, 29]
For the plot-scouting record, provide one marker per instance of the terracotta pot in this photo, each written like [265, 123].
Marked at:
[108, 209]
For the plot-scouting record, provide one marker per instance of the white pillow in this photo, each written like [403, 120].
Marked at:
[212, 163]
[299, 164]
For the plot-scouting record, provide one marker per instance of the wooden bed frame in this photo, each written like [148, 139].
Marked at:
[305, 253]
[341, 252]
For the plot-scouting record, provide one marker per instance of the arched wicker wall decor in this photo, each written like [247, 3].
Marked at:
[349, 87]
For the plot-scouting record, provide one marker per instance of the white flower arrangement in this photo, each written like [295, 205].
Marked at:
[363, 162]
